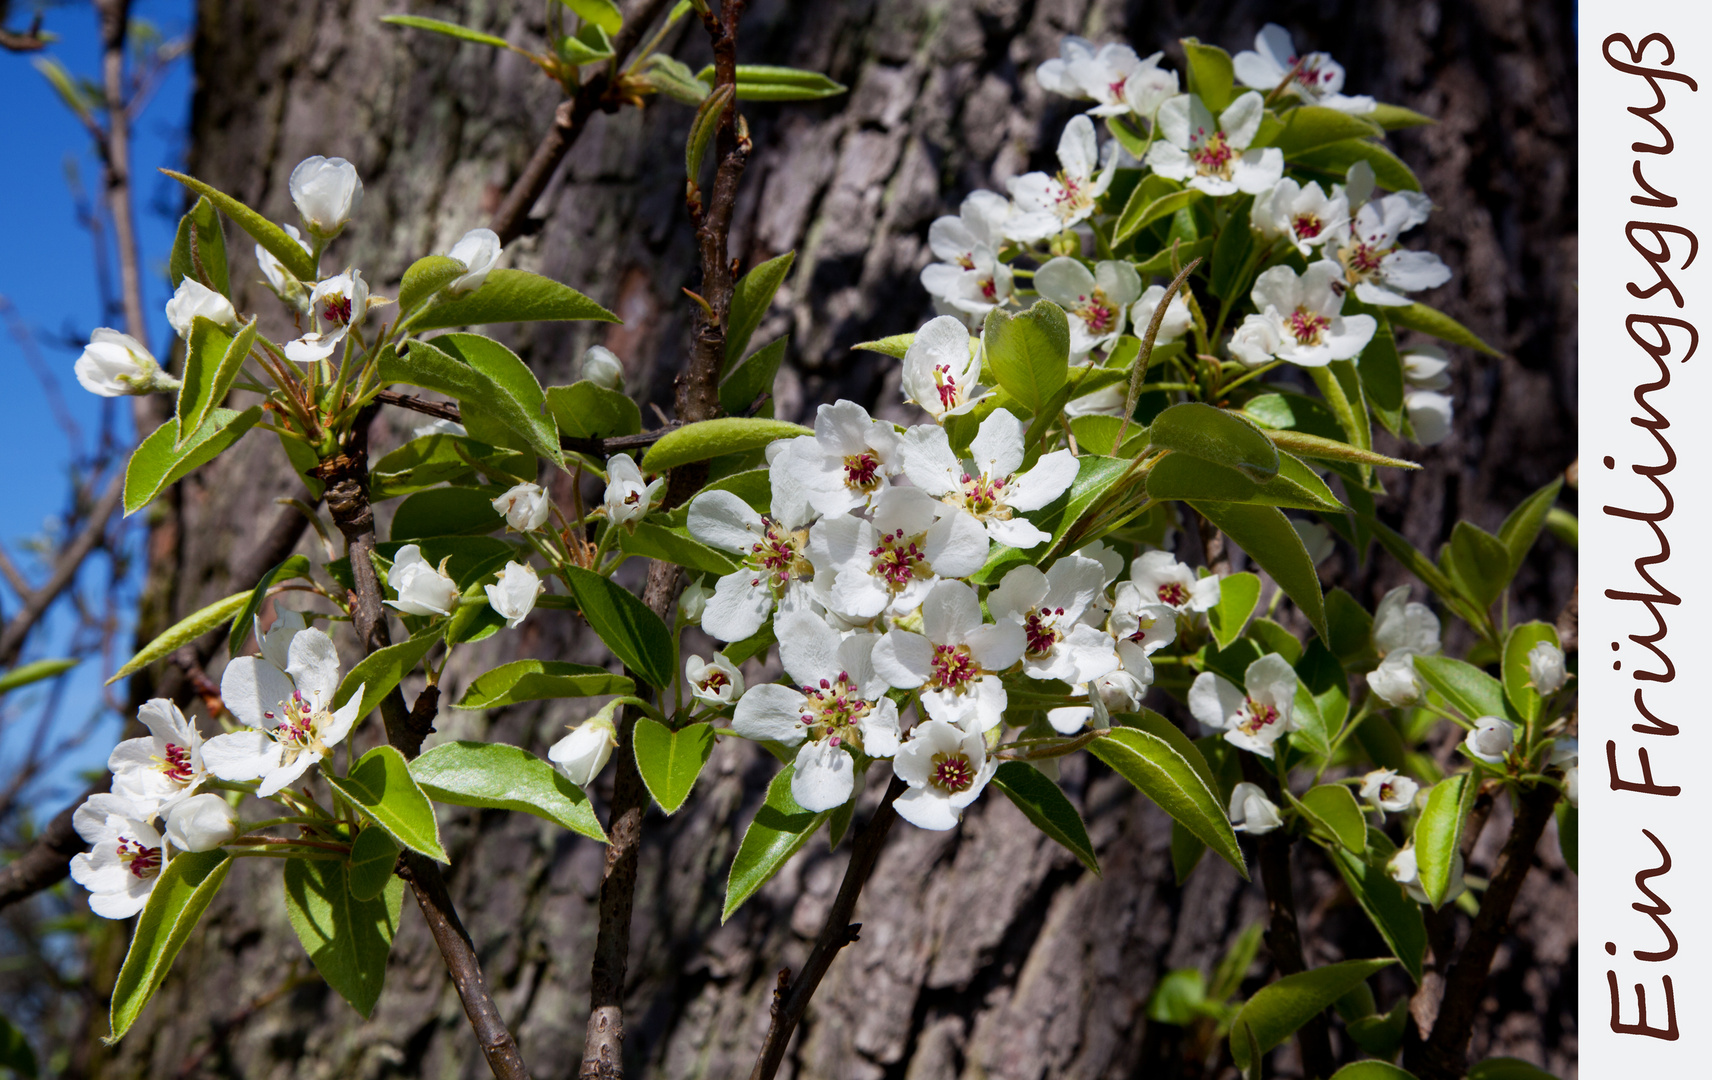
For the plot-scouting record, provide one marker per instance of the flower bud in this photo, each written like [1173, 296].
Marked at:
[115, 364]
[340, 302]
[1430, 414]
[1405, 871]
[717, 682]
[1385, 789]
[1491, 739]
[513, 596]
[628, 499]
[1545, 668]
[693, 601]
[281, 281]
[422, 590]
[1572, 785]
[1394, 681]
[1251, 811]
[1315, 537]
[525, 507]
[582, 754]
[603, 368]
[327, 192]
[201, 823]
[479, 251]
[194, 298]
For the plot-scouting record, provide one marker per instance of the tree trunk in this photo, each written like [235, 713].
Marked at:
[986, 951]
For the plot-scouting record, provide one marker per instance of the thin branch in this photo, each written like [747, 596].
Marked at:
[44, 864]
[791, 999]
[36, 603]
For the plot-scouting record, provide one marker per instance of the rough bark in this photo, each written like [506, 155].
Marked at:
[987, 951]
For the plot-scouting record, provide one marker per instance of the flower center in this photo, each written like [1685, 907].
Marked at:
[337, 309]
[898, 561]
[952, 772]
[1307, 327]
[1071, 199]
[298, 728]
[984, 495]
[1041, 630]
[1387, 791]
[714, 681]
[862, 471]
[1144, 623]
[175, 763]
[1256, 717]
[950, 395]
[1307, 225]
[1173, 593]
[1310, 75]
[966, 261]
[1097, 312]
[142, 862]
[778, 555]
[833, 711]
[1212, 154]
[953, 667]
[1361, 261]
[990, 289]
[1115, 90]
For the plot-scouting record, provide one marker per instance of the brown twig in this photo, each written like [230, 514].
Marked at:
[44, 864]
[835, 933]
[37, 601]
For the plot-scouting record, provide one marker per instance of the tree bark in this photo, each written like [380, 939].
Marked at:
[987, 951]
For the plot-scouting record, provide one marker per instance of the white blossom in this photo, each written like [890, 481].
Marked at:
[422, 588]
[1177, 318]
[1303, 313]
[1387, 790]
[602, 367]
[1546, 669]
[1402, 630]
[628, 497]
[281, 281]
[969, 278]
[945, 768]
[956, 659]
[288, 716]
[1122, 690]
[201, 823]
[1379, 270]
[989, 488]
[1048, 205]
[1317, 81]
[581, 755]
[1426, 367]
[1083, 72]
[716, 681]
[524, 506]
[848, 462]
[773, 552]
[194, 298]
[478, 250]
[339, 302]
[1301, 215]
[1049, 607]
[1253, 720]
[125, 860]
[1430, 414]
[440, 426]
[1147, 88]
[941, 370]
[1491, 740]
[1316, 539]
[1405, 871]
[968, 293]
[1255, 341]
[1158, 578]
[693, 601]
[1213, 155]
[513, 595]
[1095, 302]
[155, 772]
[887, 564]
[275, 645]
[115, 364]
[1251, 811]
[327, 192]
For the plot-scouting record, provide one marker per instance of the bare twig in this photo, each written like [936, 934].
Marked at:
[37, 602]
[44, 864]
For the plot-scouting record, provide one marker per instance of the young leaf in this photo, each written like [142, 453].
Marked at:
[378, 672]
[660, 542]
[601, 13]
[1212, 77]
[714, 438]
[1029, 353]
[634, 634]
[1518, 680]
[1276, 1011]
[431, 367]
[1393, 912]
[1140, 211]
[1043, 803]
[1304, 445]
[1522, 527]
[212, 362]
[762, 82]
[670, 761]
[1179, 998]
[1309, 127]
[183, 632]
[703, 128]
[1274, 638]
[779, 830]
[1479, 564]
[1351, 626]
[752, 378]
[275, 240]
[425, 277]
[347, 939]
[1265, 534]
[494, 776]
[537, 680]
[1432, 321]
[511, 296]
[1336, 159]
[1161, 762]
[381, 787]
[452, 30]
[586, 411]
[895, 346]
[750, 298]
[1469, 690]
[1333, 807]
[180, 896]
[1238, 595]
[35, 671]
[1439, 832]
[513, 376]
[162, 459]
[210, 241]
[590, 45]
[373, 854]
[1181, 477]
[1215, 435]
[1374, 1069]
[295, 566]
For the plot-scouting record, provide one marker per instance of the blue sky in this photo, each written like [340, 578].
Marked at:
[50, 283]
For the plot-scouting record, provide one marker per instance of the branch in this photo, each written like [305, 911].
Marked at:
[37, 602]
[44, 864]
[791, 1000]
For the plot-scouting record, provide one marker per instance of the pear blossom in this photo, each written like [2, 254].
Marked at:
[1213, 155]
[956, 659]
[628, 497]
[1095, 302]
[513, 595]
[1402, 630]
[440, 426]
[1318, 80]
[1302, 215]
[275, 645]
[946, 768]
[1147, 88]
[1255, 342]
[969, 279]
[525, 507]
[716, 681]
[201, 823]
[1177, 318]
[327, 192]
[288, 716]
[1111, 565]
[887, 564]
[157, 771]
[967, 294]
[1545, 668]
[1048, 205]
[840, 710]
[1083, 72]
[340, 302]
[1140, 619]
[848, 462]
[989, 488]
[693, 601]
[1491, 740]
[1379, 270]
[1426, 367]
[581, 755]
[115, 364]
[774, 554]
[1251, 811]
[1566, 755]
[194, 299]
[1303, 312]
[1122, 690]
[602, 367]
[1158, 577]
[1405, 871]
[1430, 414]
[1253, 720]
[1316, 539]
[281, 281]
[941, 369]
[478, 250]
[422, 588]
[126, 856]
[1387, 790]
[1049, 607]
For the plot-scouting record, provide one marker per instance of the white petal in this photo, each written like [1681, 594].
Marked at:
[1078, 151]
[928, 460]
[251, 688]
[1017, 533]
[956, 545]
[1213, 700]
[287, 774]
[808, 648]
[996, 646]
[825, 777]
[1064, 281]
[241, 755]
[997, 447]
[770, 711]
[903, 659]
[1051, 477]
[949, 612]
[314, 665]
[722, 520]
[926, 809]
[738, 606]
[1241, 120]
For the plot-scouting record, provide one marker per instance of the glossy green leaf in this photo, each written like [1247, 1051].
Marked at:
[713, 438]
[1334, 808]
[1394, 117]
[673, 546]
[1029, 353]
[634, 634]
[1179, 998]
[186, 886]
[1411, 558]
[1162, 763]
[1211, 75]
[1351, 626]
[670, 761]
[1372, 1070]
[1382, 1036]
[1181, 477]
[425, 277]
[347, 939]
[779, 830]
[1268, 538]
[895, 346]
[432, 367]
[601, 13]
[1277, 1010]
[584, 410]
[1238, 595]
[212, 361]
[1275, 638]
[750, 298]
[1216, 435]
[1429, 320]
[703, 128]
[210, 249]
[1140, 211]
[1310, 127]
[382, 670]
[1469, 690]
[1392, 911]
[1522, 527]
[1098, 434]
[1313, 733]
[431, 460]
[589, 45]
[295, 566]
[752, 378]
[509, 296]
[1335, 160]
[537, 680]
[763, 82]
[494, 776]
[447, 511]
[35, 671]
[1438, 832]
[1045, 804]
[1479, 564]
[452, 30]
[1518, 680]
[182, 633]
[1304, 445]
[161, 459]
[1507, 1068]
[508, 372]
[374, 853]
[275, 240]
[380, 786]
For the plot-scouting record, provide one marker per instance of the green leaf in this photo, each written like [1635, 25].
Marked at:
[494, 776]
[1479, 564]
[181, 894]
[183, 632]
[1411, 558]
[381, 787]
[584, 410]
[779, 830]
[1432, 321]
[1276, 1011]
[1333, 807]
[1304, 445]
[1231, 271]
[161, 459]
[590, 45]
[295, 566]
[373, 855]
[432, 460]
[1098, 434]
[634, 634]
[752, 378]
[703, 128]
[1372, 1070]
[1469, 690]
[210, 241]
[212, 362]
[1029, 353]
[660, 542]
[1394, 117]
[380, 671]
[670, 761]
[1507, 1068]
[1382, 370]
[538, 680]
[601, 13]
[347, 939]
[1215, 435]
[1274, 638]
[1165, 766]
[1438, 832]
[1212, 77]
[712, 438]
[1238, 595]
[425, 277]
[1351, 638]
[432, 368]
[453, 30]
[1043, 803]
[1568, 833]
[1518, 680]
[1381, 1036]
[1392, 911]
[1522, 527]
[1310, 127]
[15, 1052]
[1336, 159]
[1267, 537]
[895, 346]
[275, 240]
[1141, 211]
[512, 376]
[750, 298]
[761, 82]
[512, 296]
[446, 511]
[1182, 477]
[1179, 998]
[35, 671]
